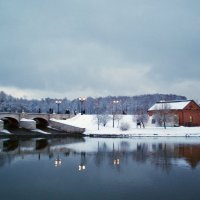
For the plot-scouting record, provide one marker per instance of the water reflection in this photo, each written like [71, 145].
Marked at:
[116, 152]
[58, 162]
[82, 165]
[10, 145]
[191, 153]
[22, 148]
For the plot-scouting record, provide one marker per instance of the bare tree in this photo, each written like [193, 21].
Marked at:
[102, 119]
[118, 118]
[162, 115]
[114, 111]
[124, 126]
[97, 118]
[141, 117]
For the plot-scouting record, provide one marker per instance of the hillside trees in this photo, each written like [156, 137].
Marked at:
[126, 105]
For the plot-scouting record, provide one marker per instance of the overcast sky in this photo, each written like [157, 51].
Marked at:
[72, 48]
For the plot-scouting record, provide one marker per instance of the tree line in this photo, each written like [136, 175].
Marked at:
[90, 105]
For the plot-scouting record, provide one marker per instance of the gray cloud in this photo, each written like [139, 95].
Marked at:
[105, 47]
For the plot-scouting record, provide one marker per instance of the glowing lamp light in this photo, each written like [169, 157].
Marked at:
[116, 161]
[58, 162]
[81, 167]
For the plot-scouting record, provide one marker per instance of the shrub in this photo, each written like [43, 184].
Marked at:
[124, 126]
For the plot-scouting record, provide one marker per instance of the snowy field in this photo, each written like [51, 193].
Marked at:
[89, 122]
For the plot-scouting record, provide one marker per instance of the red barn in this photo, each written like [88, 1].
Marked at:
[187, 111]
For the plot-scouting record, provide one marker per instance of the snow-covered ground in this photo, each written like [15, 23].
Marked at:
[89, 122]
[5, 131]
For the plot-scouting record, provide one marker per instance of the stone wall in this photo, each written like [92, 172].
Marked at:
[28, 124]
[60, 116]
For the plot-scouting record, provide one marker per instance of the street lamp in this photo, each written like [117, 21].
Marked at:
[113, 103]
[82, 99]
[58, 102]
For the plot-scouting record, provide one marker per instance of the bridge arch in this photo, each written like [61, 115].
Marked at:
[41, 122]
[10, 122]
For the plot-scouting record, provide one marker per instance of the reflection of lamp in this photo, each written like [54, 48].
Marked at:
[114, 102]
[58, 102]
[58, 162]
[116, 161]
[116, 156]
[82, 99]
[82, 166]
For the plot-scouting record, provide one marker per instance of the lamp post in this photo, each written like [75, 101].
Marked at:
[58, 102]
[113, 103]
[82, 99]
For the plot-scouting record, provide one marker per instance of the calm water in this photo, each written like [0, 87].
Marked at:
[100, 168]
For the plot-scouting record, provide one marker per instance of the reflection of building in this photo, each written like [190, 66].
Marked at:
[191, 153]
[186, 112]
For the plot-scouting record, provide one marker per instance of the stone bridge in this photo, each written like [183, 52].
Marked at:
[14, 119]
[33, 120]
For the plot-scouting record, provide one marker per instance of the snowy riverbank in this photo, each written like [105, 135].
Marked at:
[89, 122]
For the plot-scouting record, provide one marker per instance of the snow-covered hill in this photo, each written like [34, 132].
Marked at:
[89, 122]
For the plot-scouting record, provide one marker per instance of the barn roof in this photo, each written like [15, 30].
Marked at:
[172, 105]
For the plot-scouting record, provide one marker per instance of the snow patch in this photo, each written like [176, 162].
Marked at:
[5, 131]
[89, 122]
[40, 131]
[26, 120]
[172, 105]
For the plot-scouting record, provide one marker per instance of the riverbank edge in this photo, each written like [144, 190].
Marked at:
[64, 135]
[38, 135]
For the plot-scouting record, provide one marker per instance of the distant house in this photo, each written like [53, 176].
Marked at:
[186, 112]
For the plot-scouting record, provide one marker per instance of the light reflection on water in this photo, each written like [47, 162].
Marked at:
[109, 168]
